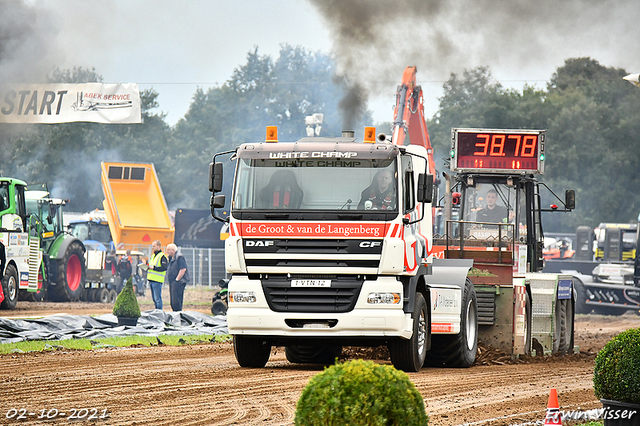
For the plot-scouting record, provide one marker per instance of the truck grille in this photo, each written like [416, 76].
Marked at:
[262, 255]
[340, 297]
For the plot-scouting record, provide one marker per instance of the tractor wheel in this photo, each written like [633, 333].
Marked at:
[251, 351]
[40, 294]
[409, 355]
[458, 350]
[71, 273]
[311, 354]
[10, 288]
[563, 330]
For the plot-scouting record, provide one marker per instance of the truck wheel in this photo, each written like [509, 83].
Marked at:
[113, 295]
[10, 288]
[102, 295]
[311, 354]
[71, 272]
[581, 297]
[409, 355]
[458, 350]
[251, 352]
[219, 308]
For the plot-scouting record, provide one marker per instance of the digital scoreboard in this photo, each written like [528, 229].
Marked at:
[498, 151]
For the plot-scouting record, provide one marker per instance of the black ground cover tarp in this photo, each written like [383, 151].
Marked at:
[152, 323]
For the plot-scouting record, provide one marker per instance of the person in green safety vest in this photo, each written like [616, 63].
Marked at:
[158, 264]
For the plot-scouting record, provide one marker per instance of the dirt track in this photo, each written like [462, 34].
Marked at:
[202, 384]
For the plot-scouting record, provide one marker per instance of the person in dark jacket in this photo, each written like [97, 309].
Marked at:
[381, 194]
[177, 276]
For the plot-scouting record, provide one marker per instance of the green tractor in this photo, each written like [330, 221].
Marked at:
[63, 268]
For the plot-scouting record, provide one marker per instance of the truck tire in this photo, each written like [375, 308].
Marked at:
[252, 352]
[71, 273]
[311, 354]
[102, 295]
[10, 288]
[113, 295]
[409, 355]
[458, 350]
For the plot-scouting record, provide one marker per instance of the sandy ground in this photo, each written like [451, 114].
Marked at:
[203, 385]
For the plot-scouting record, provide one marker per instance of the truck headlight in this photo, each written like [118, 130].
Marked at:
[384, 298]
[242, 296]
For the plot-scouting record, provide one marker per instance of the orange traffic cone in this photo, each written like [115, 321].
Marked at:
[553, 416]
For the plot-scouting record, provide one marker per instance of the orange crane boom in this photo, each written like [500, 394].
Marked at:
[408, 116]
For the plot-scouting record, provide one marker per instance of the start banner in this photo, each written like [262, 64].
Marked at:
[66, 103]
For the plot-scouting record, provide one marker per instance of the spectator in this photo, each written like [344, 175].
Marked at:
[177, 275]
[124, 267]
[110, 262]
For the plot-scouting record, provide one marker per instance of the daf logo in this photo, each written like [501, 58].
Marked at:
[370, 244]
[259, 243]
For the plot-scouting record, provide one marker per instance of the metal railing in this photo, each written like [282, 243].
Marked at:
[462, 233]
[206, 265]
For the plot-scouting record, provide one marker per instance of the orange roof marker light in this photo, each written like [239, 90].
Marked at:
[369, 134]
[272, 134]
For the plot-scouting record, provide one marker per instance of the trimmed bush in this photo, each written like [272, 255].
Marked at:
[616, 375]
[360, 393]
[126, 303]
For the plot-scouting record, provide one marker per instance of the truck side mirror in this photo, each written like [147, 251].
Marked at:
[570, 199]
[215, 177]
[218, 201]
[425, 188]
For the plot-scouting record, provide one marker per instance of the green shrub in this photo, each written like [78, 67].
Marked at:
[126, 303]
[616, 375]
[360, 393]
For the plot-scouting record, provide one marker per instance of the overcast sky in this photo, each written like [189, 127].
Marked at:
[176, 46]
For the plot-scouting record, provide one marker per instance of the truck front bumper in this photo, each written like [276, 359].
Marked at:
[365, 320]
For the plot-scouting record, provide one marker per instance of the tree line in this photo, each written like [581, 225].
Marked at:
[592, 118]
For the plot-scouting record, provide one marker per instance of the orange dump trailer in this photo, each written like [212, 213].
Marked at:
[134, 204]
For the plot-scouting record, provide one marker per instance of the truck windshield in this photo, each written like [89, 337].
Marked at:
[316, 184]
[4, 196]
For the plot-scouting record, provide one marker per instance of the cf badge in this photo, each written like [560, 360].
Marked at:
[370, 244]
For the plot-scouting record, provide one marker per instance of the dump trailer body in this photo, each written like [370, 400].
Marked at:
[134, 204]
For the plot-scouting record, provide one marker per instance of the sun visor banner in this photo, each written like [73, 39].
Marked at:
[66, 103]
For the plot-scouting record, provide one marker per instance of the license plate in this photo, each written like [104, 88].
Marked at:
[316, 325]
[310, 283]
